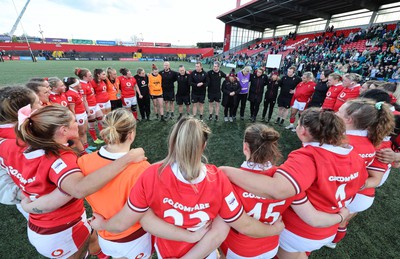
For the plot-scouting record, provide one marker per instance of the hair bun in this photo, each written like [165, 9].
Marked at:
[270, 136]
[77, 71]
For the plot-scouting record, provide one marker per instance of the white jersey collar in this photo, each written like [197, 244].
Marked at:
[178, 174]
[104, 153]
[331, 148]
[7, 126]
[256, 166]
[361, 133]
[34, 154]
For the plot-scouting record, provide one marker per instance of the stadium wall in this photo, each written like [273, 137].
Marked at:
[205, 52]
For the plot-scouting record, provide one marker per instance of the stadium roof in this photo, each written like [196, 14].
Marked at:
[258, 15]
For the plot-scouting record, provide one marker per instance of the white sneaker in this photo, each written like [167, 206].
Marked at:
[294, 130]
[331, 245]
[291, 126]
[226, 119]
[230, 119]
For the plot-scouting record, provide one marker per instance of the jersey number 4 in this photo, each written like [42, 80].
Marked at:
[341, 195]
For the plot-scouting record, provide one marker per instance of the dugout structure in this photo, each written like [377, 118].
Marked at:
[257, 19]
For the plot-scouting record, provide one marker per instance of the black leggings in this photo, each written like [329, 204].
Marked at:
[242, 99]
[254, 107]
[144, 106]
[271, 104]
[230, 107]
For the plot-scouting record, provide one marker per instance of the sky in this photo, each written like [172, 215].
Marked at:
[180, 22]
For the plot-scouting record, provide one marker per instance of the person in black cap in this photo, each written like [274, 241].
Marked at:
[230, 90]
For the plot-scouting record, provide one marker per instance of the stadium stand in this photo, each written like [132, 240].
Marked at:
[335, 34]
[96, 51]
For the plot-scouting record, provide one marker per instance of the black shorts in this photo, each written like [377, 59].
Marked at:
[185, 99]
[214, 97]
[169, 96]
[284, 102]
[155, 97]
[198, 98]
[115, 104]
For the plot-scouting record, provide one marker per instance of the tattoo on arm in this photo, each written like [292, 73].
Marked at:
[37, 211]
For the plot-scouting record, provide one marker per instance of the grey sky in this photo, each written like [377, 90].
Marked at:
[178, 22]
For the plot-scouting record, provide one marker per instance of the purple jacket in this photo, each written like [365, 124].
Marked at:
[244, 82]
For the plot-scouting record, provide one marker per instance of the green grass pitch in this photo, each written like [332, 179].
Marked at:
[372, 234]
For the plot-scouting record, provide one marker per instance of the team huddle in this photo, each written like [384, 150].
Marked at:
[182, 206]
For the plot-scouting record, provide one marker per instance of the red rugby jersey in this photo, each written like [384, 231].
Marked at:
[346, 94]
[127, 86]
[331, 96]
[88, 91]
[304, 91]
[58, 98]
[262, 209]
[38, 174]
[183, 204]
[75, 97]
[100, 90]
[329, 176]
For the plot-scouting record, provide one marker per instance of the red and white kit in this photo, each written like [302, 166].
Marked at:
[328, 176]
[127, 86]
[237, 245]
[184, 204]
[56, 234]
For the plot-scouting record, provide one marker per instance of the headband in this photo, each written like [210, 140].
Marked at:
[23, 114]
[378, 105]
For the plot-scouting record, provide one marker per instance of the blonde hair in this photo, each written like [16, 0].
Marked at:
[186, 144]
[117, 125]
[335, 76]
[353, 77]
[39, 129]
[309, 76]
[109, 71]
[246, 69]
[53, 81]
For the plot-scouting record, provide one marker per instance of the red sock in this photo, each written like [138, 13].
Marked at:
[134, 114]
[292, 120]
[85, 146]
[92, 133]
[341, 233]
[100, 126]
[308, 253]
[101, 255]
